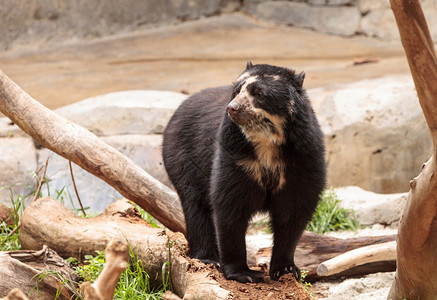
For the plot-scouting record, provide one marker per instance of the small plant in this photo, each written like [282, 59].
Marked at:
[9, 234]
[92, 267]
[307, 285]
[64, 283]
[148, 217]
[329, 216]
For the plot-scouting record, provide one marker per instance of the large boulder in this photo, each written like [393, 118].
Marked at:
[375, 132]
[378, 19]
[341, 20]
[127, 112]
[372, 208]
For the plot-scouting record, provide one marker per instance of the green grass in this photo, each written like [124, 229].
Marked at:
[10, 241]
[134, 282]
[307, 285]
[329, 216]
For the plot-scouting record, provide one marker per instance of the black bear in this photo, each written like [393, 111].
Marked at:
[235, 150]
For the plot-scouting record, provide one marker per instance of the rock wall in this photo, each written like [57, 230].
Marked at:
[342, 17]
[34, 23]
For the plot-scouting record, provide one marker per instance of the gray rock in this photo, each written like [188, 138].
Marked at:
[128, 112]
[380, 23]
[379, 20]
[342, 20]
[46, 21]
[375, 133]
[17, 165]
[144, 150]
[372, 208]
[330, 2]
[369, 5]
[9, 129]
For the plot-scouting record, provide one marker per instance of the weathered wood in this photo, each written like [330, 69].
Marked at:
[15, 294]
[21, 269]
[416, 272]
[82, 147]
[358, 257]
[116, 258]
[47, 221]
[314, 249]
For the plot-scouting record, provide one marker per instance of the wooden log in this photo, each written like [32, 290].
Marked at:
[357, 257]
[21, 269]
[82, 147]
[314, 249]
[116, 258]
[15, 294]
[416, 272]
[47, 221]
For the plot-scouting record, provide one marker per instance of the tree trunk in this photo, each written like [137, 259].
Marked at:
[77, 144]
[416, 273]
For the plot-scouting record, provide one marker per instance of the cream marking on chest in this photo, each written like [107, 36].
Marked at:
[266, 142]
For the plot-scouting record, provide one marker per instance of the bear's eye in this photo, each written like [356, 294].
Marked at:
[237, 88]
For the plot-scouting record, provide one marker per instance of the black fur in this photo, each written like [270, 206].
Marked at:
[262, 151]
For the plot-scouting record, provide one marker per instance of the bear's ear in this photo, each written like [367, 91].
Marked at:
[299, 78]
[249, 65]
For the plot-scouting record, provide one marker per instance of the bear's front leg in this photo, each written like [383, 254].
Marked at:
[289, 219]
[231, 231]
[234, 199]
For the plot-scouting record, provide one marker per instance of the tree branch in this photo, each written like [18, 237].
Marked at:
[77, 144]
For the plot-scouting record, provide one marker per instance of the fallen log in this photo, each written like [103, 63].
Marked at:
[357, 257]
[47, 221]
[314, 249]
[82, 147]
[25, 270]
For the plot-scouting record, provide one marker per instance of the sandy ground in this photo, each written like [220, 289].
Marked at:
[192, 56]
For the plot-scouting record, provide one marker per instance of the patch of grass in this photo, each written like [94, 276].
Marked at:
[134, 282]
[329, 216]
[148, 217]
[92, 267]
[9, 234]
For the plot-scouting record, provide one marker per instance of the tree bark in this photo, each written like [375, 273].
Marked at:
[47, 221]
[416, 273]
[21, 269]
[77, 144]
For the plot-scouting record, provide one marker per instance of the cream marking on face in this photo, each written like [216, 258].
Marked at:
[275, 77]
[265, 140]
[243, 76]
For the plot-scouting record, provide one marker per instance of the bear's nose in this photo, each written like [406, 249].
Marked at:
[233, 107]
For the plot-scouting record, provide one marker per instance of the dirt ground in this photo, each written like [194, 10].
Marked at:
[285, 288]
